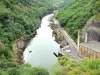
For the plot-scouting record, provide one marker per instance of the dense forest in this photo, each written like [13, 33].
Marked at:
[75, 15]
[72, 67]
[24, 69]
[19, 18]
[57, 4]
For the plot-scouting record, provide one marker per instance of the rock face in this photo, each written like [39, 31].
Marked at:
[63, 43]
[19, 48]
[93, 30]
[21, 44]
[93, 35]
[18, 52]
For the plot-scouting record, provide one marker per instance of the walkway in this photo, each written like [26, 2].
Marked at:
[72, 44]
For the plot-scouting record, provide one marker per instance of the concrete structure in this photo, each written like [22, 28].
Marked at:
[73, 46]
[90, 49]
[78, 41]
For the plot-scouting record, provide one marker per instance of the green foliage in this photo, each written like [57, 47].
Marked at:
[24, 69]
[84, 67]
[28, 70]
[97, 17]
[19, 18]
[57, 4]
[76, 14]
[56, 69]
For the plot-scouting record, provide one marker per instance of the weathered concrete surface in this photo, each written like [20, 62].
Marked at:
[68, 39]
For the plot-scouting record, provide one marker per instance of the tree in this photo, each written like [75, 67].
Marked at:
[84, 67]
[75, 15]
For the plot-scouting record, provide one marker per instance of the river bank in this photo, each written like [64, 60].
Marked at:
[58, 36]
[20, 44]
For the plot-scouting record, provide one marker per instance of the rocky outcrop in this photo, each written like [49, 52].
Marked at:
[58, 36]
[21, 44]
[92, 28]
[19, 47]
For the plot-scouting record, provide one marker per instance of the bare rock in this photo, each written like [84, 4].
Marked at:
[63, 43]
[92, 28]
[21, 44]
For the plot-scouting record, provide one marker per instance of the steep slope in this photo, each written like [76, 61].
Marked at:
[19, 18]
[92, 28]
[75, 15]
[60, 3]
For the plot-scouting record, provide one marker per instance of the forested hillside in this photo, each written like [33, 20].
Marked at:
[24, 69]
[18, 18]
[21, 18]
[60, 3]
[75, 15]
[72, 67]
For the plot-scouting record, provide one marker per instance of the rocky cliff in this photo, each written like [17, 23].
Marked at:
[93, 30]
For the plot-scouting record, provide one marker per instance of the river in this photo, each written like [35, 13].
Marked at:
[40, 50]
